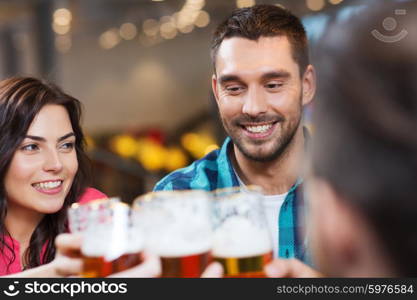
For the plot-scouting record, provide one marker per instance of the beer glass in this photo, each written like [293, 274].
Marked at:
[241, 241]
[78, 214]
[110, 243]
[178, 229]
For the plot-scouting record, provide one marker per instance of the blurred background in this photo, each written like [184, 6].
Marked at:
[142, 70]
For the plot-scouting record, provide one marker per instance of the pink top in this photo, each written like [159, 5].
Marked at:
[89, 195]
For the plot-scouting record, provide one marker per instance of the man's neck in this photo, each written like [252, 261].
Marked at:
[277, 176]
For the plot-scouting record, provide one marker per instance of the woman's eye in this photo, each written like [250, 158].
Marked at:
[69, 145]
[30, 147]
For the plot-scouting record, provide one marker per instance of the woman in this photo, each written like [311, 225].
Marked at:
[43, 170]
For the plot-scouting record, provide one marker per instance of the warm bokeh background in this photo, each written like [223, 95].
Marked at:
[142, 70]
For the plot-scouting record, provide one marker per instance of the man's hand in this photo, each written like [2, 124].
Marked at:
[290, 268]
[214, 270]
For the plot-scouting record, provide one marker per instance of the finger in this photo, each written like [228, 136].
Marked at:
[69, 244]
[214, 270]
[292, 268]
[150, 267]
[277, 268]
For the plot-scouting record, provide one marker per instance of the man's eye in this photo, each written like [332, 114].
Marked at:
[30, 147]
[274, 85]
[234, 89]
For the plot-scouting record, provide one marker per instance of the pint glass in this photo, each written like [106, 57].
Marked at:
[110, 243]
[178, 229]
[241, 241]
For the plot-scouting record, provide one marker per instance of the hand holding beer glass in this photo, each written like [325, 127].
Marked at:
[111, 243]
[241, 241]
[178, 229]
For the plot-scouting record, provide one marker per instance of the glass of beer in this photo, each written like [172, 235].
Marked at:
[110, 243]
[177, 226]
[78, 214]
[241, 241]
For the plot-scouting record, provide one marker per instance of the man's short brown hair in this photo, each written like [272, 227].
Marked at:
[264, 21]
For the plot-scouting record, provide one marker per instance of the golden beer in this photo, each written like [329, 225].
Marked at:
[126, 261]
[111, 243]
[100, 267]
[178, 229]
[191, 266]
[96, 267]
[241, 241]
[251, 266]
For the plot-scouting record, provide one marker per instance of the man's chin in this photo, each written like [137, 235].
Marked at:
[260, 154]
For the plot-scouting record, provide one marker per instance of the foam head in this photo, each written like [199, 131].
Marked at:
[239, 237]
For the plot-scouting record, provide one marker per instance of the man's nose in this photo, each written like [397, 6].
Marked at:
[254, 103]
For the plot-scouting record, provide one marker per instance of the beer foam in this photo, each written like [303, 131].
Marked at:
[189, 237]
[238, 237]
[170, 248]
[178, 227]
[94, 243]
[112, 237]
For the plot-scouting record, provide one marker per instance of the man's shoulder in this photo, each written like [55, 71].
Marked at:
[201, 174]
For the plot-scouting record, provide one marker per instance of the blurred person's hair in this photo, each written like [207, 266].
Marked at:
[264, 21]
[365, 145]
[21, 99]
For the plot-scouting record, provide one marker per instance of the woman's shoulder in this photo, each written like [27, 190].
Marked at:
[91, 194]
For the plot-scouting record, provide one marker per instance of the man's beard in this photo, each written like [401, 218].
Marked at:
[280, 144]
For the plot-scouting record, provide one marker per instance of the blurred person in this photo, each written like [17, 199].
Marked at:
[362, 186]
[43, 170]
[262, 80]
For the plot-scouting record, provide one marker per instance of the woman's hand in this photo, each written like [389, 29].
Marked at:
[68, 261]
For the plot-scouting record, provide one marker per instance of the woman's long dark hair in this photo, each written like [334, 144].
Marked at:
[21, 99]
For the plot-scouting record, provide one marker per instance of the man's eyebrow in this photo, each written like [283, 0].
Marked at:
[41, 139]
[227, 78]
[276, 74]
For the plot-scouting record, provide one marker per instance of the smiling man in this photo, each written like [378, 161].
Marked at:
[262, 80]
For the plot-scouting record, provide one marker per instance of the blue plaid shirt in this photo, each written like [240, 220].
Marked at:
[215, 171]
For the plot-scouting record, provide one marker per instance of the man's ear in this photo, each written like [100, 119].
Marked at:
[214, 87]
[309, 85]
